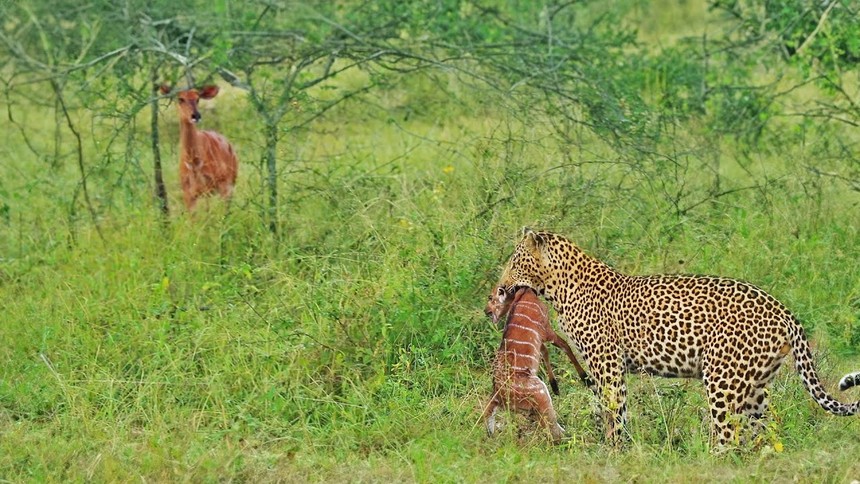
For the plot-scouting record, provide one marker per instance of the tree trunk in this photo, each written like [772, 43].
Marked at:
[160, 190]
[272, 175]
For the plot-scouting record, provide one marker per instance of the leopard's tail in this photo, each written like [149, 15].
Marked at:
[849, 381]
[803, 364]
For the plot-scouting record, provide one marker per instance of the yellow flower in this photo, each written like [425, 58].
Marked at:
[448, 170]
[778, 447]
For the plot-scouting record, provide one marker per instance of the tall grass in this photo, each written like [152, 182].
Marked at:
[354, 349]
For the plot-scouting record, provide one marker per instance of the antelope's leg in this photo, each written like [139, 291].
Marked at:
[546, 412]
[490, 409]
[548, 366]
[561, 343]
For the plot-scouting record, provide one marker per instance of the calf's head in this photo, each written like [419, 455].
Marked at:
[498, 304]
[187, 101]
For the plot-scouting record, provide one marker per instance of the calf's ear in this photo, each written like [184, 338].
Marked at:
[208, 92]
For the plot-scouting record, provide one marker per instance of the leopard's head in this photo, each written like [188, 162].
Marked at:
[529, 264]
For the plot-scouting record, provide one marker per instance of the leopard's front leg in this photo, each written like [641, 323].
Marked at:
[607, 370]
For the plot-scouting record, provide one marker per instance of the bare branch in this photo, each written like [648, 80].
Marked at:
[817, 29]
[853, 183]
[332, 104]
[80, 150]
[21, 128]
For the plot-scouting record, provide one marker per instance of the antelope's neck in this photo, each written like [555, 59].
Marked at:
[188, 140]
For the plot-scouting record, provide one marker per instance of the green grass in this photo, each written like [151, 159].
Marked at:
[355, 348]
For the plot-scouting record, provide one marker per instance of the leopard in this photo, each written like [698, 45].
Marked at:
[730, 334]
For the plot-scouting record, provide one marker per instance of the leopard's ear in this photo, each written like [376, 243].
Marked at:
[532, 239]
[535, 243]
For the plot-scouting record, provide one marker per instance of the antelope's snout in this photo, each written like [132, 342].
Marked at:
[488, 310]
[495, 310]
[498, 304]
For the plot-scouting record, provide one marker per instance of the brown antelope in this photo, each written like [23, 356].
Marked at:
[515, 381]
[208, 163]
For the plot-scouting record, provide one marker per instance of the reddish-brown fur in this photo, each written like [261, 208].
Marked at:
[208, 163]
[515, 381]
[499, 306]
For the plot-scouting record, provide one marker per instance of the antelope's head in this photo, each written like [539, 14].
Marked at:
[187, 101]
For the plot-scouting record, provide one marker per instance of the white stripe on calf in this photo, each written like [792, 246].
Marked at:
[524, 355]
[528, 389]
[539, 307]
[521, 342]
[533, 321]
[519, 368]
[514, 325]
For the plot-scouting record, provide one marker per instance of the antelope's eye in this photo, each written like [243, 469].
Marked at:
[181, 101]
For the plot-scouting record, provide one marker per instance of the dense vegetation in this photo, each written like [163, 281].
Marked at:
[328, 325]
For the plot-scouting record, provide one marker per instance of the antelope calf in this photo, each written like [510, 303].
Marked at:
[207, 162]
[515, 367]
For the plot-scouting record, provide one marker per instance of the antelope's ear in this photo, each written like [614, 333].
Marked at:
[208, 92]
[501, 294]
[164, 89]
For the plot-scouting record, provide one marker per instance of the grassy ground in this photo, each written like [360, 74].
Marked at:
[355, 348]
